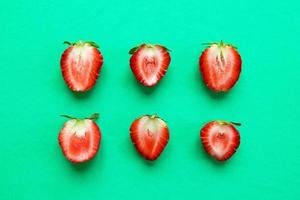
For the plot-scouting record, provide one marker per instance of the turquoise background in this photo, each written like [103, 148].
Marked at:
[265, 99]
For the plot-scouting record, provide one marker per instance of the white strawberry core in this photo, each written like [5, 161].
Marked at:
[150, 60]
[151, 125]
[221, 55]
[222, 61]
[77, 127]
[223, 136]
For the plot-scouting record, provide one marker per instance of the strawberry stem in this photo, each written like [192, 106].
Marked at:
[134, 49]
[92, 44]
[67, 116]
[153, 116]
[94, 116]
[208, 43]
[222, 43]
[68, 43]
[236, 123]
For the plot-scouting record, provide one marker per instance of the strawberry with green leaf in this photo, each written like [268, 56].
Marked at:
[220, 65]
[80, 65]
[80, 139]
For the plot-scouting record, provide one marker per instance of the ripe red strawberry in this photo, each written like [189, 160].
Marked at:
[149, 63]
[80, 139]
[220, 139]
[80, 64]
[150, 135]
[220, 65]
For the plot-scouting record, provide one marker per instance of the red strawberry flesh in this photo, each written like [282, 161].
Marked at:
[81, 64]
[220, 139]
[220, 65]
[149, 63]
[150, 135]
[80, 139]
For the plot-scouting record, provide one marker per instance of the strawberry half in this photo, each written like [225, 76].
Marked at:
[220, 65]
[220, 139]
[80, 64]
[149, 63]
[80, 139]
[150, 135]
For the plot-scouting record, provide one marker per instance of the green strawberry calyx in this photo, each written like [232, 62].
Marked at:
[224, 123]
[81, 43]
[93, 117]
[219, 44]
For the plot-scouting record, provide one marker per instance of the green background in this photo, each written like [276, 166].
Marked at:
[265, 99]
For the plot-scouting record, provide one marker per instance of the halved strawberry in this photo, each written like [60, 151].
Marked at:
[220, 65]
[80, 139]
[149, 63]
[150, 135]
[220, 139]
[80, 65]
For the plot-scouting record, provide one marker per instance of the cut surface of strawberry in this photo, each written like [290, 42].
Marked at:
[149, 63]
[220, 139]
[150, 135]
[80, 139]
[220, 65]
[80, 64]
